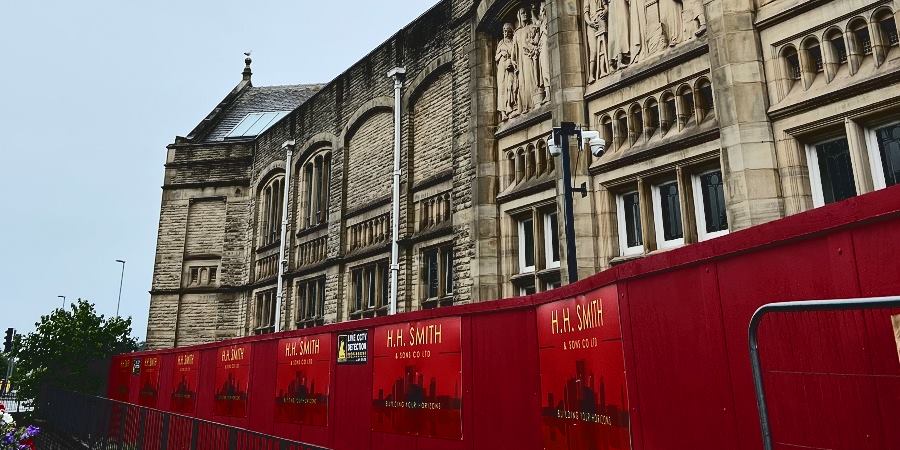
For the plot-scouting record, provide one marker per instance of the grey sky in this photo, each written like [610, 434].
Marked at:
[92, 93]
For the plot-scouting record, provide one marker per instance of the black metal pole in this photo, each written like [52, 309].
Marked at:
[565, 129]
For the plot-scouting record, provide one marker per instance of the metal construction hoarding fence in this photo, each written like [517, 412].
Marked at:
[649, 355]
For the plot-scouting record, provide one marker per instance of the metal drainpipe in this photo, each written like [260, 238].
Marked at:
[397, 73]
[282, 262]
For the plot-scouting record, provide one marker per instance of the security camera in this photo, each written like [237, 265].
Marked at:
[593, 139]
[598, 146]
[552, 147]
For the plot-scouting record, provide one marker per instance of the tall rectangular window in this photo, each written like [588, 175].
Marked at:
[370, 285]
[831, 172]
[447, 270]
[265, 312]
[371, 288]
[437, 276]
[432, 274]
[310, 302]
[526, 245]
[667, 215]
[709, 204]
[629, 217]
[538, 248]
[887, 173]
[551, 240]
[357, 282]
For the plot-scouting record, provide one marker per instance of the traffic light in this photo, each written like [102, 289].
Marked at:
[8, 340]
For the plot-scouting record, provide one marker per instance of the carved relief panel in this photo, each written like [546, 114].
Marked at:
[620, 33]
[522, 61]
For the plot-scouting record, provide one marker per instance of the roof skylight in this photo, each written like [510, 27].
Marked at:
[255, 123]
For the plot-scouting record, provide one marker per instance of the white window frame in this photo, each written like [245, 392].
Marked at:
[521, 250]
[875, 163]
[812, 166]
[657, 218]
[699, 213]
[624, 249]
[548, 241]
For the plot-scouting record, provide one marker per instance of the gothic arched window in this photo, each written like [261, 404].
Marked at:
[271, 200]
[316, 189]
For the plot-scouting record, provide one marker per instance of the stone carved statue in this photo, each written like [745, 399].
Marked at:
[672, 22]
[620, 33]
[507, 80]
[522, 59]
[595, 14]
[694, 18]
[526, 39]
[543, 52]
[618, 47]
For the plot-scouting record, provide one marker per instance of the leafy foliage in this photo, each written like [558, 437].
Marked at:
[68, 350]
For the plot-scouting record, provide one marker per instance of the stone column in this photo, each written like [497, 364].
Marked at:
[686, 203]
[859, 157]
[749, 163]
[648, 227]
[794, 175]
[484, 215]
[608, 227]
[567, 79]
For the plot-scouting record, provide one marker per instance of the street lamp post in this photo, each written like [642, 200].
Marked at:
[121, 279]
[558, 145]
[64, 301]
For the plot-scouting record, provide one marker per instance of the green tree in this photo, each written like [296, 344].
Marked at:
[68, 349]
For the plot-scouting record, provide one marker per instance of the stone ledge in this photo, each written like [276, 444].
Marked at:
[665, 60]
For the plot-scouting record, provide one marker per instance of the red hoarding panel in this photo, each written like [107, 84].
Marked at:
[149, 381]
[417, 382]
[120, 378]
[232, 381]
[303, 380]
[583, 396]
[832, 379]
[185, 380]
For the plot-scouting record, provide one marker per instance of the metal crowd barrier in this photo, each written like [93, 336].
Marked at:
[105, 424]
[811, 305]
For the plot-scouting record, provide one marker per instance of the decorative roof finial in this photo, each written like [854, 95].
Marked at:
[247, 72]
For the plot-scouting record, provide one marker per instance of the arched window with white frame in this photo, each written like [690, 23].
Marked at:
[271, 201]
[316, 174]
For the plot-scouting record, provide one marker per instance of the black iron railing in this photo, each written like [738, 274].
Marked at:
[102, 423]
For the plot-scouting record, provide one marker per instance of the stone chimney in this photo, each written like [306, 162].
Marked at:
[247, 73]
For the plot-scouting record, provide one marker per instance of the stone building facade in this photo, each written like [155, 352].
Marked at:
[718, 115]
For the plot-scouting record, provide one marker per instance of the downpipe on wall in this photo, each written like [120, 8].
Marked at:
[398, 74]
[282, 262]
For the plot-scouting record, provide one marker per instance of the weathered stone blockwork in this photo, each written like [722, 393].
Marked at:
[711, 112]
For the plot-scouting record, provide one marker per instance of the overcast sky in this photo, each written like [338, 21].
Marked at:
[94, 90]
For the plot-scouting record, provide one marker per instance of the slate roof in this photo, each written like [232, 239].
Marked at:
[260, 99]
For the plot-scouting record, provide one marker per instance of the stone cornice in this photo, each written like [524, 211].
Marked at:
[240, 182]
[810, 103]
[212, 161]
[527, 188]
[522, 122]
[666, 147]
[826, 24]
[629, 75]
